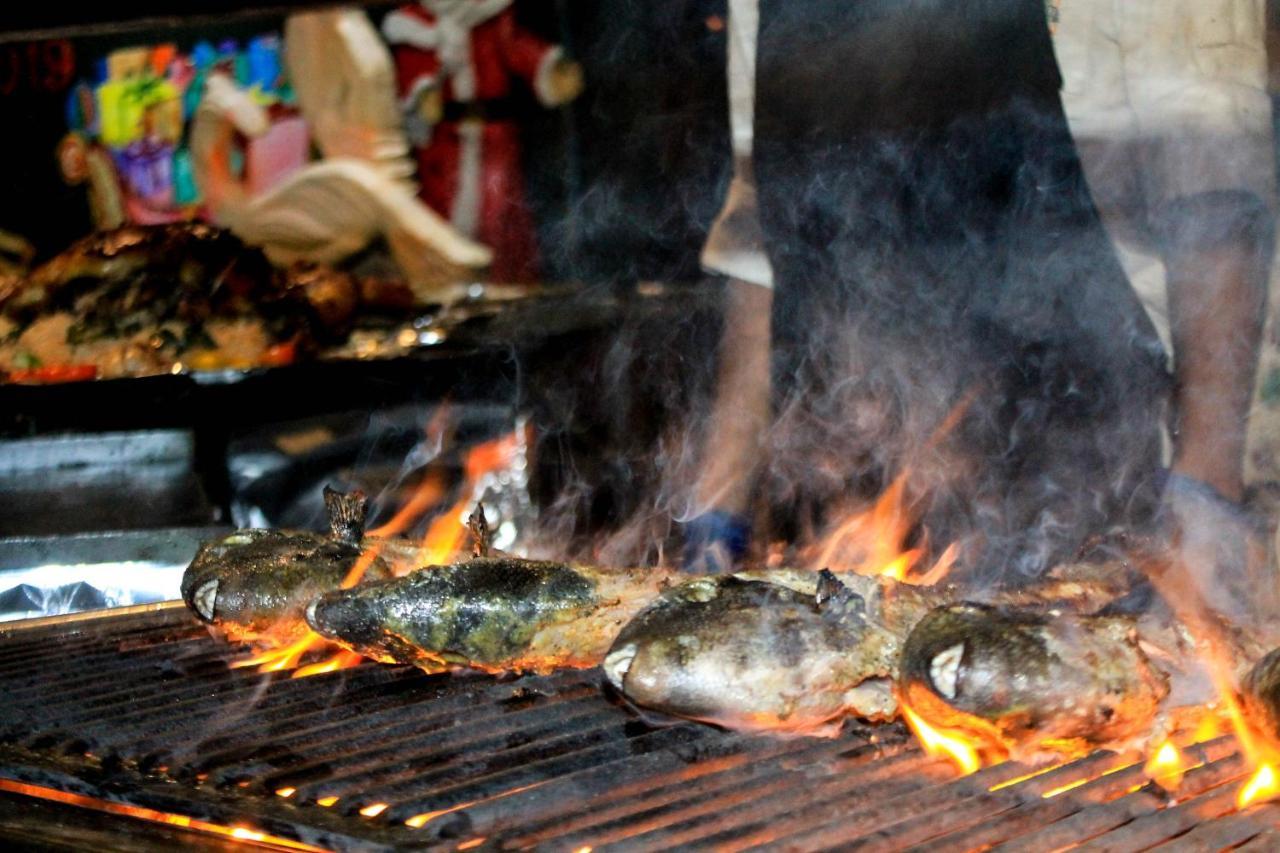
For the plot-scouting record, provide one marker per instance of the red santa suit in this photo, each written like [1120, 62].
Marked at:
[469, 163]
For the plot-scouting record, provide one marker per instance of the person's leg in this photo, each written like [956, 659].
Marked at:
[740, 410]
[1218, 255]
[717, 533]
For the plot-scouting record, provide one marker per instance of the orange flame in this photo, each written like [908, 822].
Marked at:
[288, 657]
[939, 743]
[1209, 727]
[873, 542]
[1262, 785]
[448, 531]
[1166, 766]
[446, 534]
[427, 494]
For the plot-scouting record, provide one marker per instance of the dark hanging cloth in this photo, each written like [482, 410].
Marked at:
[932, 234]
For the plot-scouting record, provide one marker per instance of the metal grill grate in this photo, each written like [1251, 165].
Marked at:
[141, 708]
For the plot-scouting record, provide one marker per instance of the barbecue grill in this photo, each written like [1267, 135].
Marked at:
[151, 730]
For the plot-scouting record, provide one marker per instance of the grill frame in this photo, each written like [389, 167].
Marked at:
[154, 718]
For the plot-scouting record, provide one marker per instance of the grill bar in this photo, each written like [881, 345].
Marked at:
[379, 757]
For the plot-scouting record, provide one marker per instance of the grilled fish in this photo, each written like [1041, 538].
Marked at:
[494, 613]
[256, 584]
[711, 649]
[1024, 680]
[781, 651]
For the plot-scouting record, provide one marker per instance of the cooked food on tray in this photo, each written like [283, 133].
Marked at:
[143, 300]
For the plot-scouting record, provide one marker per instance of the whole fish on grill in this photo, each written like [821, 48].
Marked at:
[1024, 680]
[1066, 677]
[256, 584]
[493, 612]
[797, 651]
[774, 650]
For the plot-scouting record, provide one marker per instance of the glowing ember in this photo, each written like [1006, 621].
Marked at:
[373, 810]
[467, 845]
[326, 801]
[420, 820]
[938, 743]
[1166, 766]
[286, 792]
[1262, 785]
[238, 832]
[1018, 780]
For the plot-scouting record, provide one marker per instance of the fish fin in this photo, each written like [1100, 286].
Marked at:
[478, 527]
[347, 511]
[834, 597]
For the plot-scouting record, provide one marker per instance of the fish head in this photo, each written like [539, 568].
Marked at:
[976, 657]
[965, 665]
[1018, 678]
[348, 616]
[743, 653]
[253, 581]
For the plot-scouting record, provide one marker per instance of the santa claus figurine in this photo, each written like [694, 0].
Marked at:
[455, 60]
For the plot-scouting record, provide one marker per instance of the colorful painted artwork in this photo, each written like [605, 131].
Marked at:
[128, 127]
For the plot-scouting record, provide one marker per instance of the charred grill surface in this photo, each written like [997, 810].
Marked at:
[141, 709]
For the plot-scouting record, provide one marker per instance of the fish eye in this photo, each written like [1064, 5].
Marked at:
[206, 598]
[618, 663]
[311, 612]
[944, 670]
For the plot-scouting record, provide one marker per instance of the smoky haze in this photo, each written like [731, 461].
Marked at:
[935, 244]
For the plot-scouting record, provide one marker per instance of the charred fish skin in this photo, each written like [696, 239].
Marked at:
[1024, 681]
[754, 655]
[484, 613]
[255, 583]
